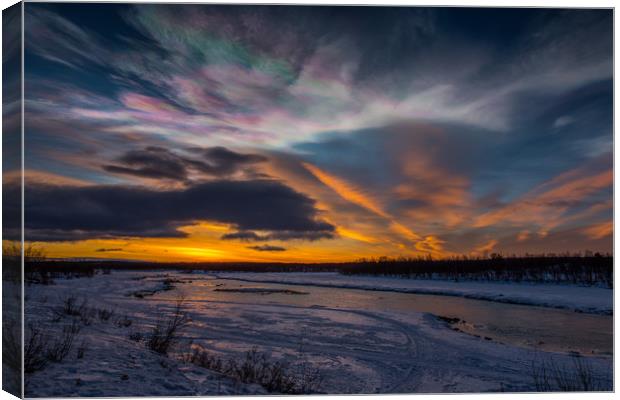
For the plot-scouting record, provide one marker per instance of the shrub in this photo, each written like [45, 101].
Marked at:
[549, 376]
[255, 367]
[104, 314]
[11, 355]
[123, 322]
[40, 349]
[136, 336]
[165, 333]
[58, 349]
[81, 350]
[72, 307]
[11, 344]
[35, 350]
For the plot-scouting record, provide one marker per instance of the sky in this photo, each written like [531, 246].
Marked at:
[316, 134]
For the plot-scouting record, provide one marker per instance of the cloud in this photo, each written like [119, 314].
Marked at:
[267, 247]
[357, 196]
[485, 248]
[152, 162]
[250, 236]
[523, 235]
[268, 74]
[105, 250]
[60, 213]
[346, 190]
[558, 200]
[245, 236]
[221, 161]
[160, 163]
[563, 121]
[432, 245]
[600, 230]
[417, 175]
[59, 40]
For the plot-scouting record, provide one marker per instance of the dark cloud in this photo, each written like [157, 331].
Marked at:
[221, 161]
[249, 236]
[160, 163]
[301, 235]
[244, 236]
[267, 247]
[60, 213]
[152, 162]
[104, 250]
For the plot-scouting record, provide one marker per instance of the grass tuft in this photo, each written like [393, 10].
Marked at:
[550, 376]
[165, 333]
[257, 368]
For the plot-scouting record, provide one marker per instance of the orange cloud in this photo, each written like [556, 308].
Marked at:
[599, 231]
[346, 190]
[523, 235]
[431, 244]
[547, 204]
[351, 234]
[485, 248]
[442, 194]
[357, 196]
[404, 231]
[48, 178]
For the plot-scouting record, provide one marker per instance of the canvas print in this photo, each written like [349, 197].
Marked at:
[213, 200]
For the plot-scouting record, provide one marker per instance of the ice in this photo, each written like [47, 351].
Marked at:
[356, 351]
[593, 300]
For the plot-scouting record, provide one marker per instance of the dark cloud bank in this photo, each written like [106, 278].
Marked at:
[267, 247]
[160, 163]
[62, 213]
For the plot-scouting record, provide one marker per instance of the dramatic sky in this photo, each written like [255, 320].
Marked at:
[193, 132]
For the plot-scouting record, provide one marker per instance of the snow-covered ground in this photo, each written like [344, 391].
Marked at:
[577, 298]
[355, 350]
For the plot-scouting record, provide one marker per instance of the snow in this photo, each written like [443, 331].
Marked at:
[357, 351]
[112, 364]
[592, 300]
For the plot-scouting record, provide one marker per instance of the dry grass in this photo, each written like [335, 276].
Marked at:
[42, 347]
[104, 314]
[257, 368]
[165, 333]
[123, 322]
[72, 306]
[35, 347]
[550, 376]
[11, 357]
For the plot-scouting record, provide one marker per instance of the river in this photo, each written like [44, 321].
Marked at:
[543, 328]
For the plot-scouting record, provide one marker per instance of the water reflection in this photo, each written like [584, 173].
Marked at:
[527, 326]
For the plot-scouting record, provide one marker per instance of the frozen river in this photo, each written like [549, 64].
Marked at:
[536, 327]
[362, 341]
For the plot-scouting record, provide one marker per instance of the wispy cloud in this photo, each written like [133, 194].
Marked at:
[600, 230]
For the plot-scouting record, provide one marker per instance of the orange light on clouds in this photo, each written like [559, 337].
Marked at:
[346, 190]
[357, 196]
[599, 231]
